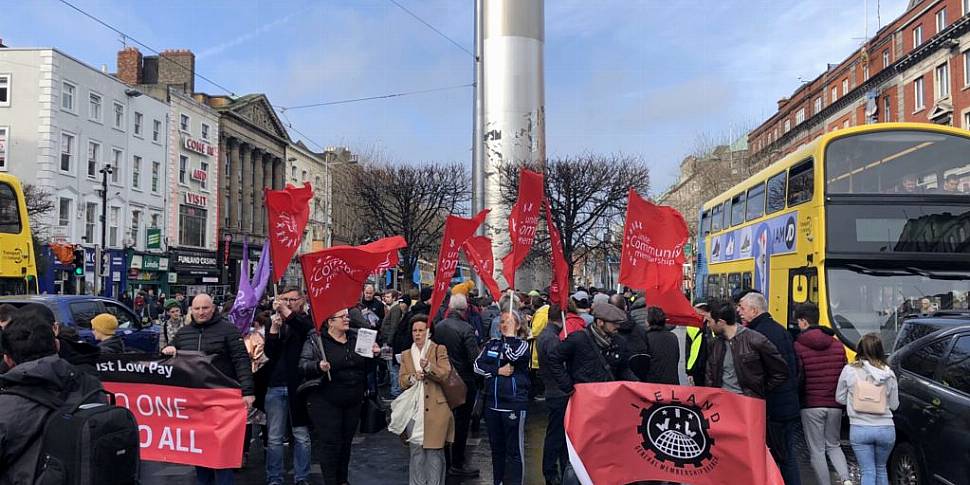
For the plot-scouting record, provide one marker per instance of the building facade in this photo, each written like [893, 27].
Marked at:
[66, 126]
[915, 69]
[303, 166]
[346, 227]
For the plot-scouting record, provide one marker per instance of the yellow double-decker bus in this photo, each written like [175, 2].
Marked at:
[870, 223]
[18, 270]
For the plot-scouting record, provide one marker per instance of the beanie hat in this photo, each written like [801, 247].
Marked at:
[426, 293]
[463, 288]
[105, 323]
[171, 303]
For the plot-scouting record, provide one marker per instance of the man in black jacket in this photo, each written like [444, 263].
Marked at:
[784, 408]
[213, 335]
[284, 343]
[554, 457]
[458, 336]
[664, 349]
[592, 355]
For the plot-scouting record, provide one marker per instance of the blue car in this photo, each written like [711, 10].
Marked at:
[78, 310]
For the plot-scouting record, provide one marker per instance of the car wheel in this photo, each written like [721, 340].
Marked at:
[904, 466]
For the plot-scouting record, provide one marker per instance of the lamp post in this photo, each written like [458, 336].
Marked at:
[99, 251]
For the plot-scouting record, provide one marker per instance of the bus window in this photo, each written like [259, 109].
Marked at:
[706, 223]
[727, 215]
[776, 192]
[737, 209]
[9, 210]
[756, 202]
[745, 281]
[712, 289]
[801, 183]
[716, 218]
[734, 282]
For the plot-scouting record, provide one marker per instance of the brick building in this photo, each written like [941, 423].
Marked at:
[915, 69]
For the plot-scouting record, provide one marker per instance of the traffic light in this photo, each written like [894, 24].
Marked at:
[78, 262]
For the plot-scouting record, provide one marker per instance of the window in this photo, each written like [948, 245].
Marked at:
[293, 173]
[737, 209]
[924, 361]
[706, 223]
[119, 116]
[726, 223]
[885, 58]
[4, 134]
[205, 131]
[90, 216]
[94, 107]
[956, 369]
[940, 20]
[4, 89]
[942, 81]
[139, 119]
[845, 86]
[192, 222]
[204, 166]
[156, 175]
[184, 122]
[776, 192]
[966, 7]
[787, 126]
[94, 154]
[865, 71]
[800, 116]
[135, 225]
[918, 93]
[801, 183]
[84, 311]
[67, 96]
[835, 94]
[183, 168]
[126, 319]
[116, 159]
[113, 218]
[64, 212]
[67, 152]
[156, 130]
[756, 202]
[304, 176]
[917, 36]
[818, 105]
[156, 221]
[966, 67]
[136, 172]
[966, 120]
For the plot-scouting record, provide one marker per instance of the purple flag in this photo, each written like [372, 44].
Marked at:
[247, 298]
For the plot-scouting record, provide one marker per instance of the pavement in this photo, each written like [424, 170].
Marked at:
[381, 459]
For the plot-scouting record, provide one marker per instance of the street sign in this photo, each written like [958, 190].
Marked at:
[154, 238]
[687, 249]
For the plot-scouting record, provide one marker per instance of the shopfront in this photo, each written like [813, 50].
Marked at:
[196, 271]
[148, 272]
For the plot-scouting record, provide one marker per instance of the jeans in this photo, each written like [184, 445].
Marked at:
[782, 435]
[554, 456]
[209, 476]
[395, 371]
[872, 445]
[822, 427]
[506, 435]
[463, 416]
[277, 420]
[335, 424]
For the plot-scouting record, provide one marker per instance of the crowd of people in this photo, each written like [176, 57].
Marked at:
[310, 387]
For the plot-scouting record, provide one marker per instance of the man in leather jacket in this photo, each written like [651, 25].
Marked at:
[740, 360]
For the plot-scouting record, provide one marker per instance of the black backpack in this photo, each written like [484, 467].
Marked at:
[86, 442]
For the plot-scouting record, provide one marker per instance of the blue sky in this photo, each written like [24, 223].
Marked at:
[643, 77]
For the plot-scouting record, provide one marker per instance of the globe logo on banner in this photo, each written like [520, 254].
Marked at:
[676, 433]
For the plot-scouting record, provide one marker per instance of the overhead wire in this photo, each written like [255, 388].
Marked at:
[370, 98]
[432, 27]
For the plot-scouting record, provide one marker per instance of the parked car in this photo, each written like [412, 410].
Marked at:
[78, 310]
[932, 364]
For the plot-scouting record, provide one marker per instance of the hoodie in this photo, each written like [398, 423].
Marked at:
[883, 377]
[820, 360]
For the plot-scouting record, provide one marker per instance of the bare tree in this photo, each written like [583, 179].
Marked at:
[39, 203]
[412, 201]
[587, 196]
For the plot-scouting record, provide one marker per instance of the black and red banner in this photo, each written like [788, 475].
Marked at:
[187, 411]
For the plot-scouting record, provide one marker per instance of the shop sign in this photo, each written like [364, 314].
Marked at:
[136, 262]
[199, 146]
[173, 277]
[150, 263]
[200, 175]
[199, 200]
[154, 236]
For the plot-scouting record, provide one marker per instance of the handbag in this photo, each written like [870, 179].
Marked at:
[373, 417]
[305, 388]
[454, 389]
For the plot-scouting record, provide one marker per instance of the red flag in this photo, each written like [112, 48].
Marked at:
[559, 289]
[522, 222]
[479, 252]
[675, 305]
[287, 212]
[457, 231]
[334, 276]
[623, 432]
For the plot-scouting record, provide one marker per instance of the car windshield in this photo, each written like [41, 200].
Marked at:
[863, 299]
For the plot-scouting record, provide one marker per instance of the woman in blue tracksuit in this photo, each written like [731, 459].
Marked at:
[505, 364]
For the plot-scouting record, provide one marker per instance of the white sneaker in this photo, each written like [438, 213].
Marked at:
[846, 482]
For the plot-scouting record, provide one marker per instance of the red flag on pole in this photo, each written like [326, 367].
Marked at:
[624, 432]
[522, 222]
[457, 231]
[287, 212]
[653, 256]
[559, 290]
[479, 252]
[334, 276]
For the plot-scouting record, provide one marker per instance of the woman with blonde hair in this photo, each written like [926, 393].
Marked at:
[869, 390]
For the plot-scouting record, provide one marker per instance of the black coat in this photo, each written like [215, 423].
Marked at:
[458, 336]
[224, 343]
[348, 369]
[664, 356]
[113, 345]
[283, 350]
[782, 402]
[579, 360]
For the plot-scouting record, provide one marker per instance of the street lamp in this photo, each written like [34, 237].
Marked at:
[98, 280]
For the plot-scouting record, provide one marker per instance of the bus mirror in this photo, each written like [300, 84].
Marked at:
[799, 289]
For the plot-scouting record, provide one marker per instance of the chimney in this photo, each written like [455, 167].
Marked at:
[129, 65]
[177, 67]
[782, 103]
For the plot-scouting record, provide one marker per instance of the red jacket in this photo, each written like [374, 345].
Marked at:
[821, 357]
[573, 323]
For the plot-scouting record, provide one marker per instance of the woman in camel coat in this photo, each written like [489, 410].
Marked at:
[428, 362]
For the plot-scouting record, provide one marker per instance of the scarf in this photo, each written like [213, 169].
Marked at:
[602, 340]
[417, 426]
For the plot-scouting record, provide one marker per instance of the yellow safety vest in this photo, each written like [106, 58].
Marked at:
[694, 335]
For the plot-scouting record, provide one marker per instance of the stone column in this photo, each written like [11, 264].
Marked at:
[246, 160]
[232, 179]
[275, 163]
[259, 215]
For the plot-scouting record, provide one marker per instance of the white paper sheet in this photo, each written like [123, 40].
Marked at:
[365, 342]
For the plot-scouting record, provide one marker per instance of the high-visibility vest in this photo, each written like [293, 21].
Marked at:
[695, 335]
